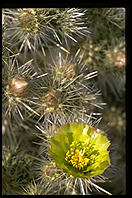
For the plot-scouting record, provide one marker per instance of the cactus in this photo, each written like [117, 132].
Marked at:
[61, 69]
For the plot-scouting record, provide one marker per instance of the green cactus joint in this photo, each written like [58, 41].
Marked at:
[80, 150]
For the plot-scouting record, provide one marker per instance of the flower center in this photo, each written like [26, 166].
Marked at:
[77, 155]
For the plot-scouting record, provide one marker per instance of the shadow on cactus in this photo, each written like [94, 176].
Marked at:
[16, 169]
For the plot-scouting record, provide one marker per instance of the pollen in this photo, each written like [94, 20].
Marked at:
[76, 155]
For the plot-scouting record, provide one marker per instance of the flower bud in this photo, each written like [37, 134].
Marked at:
[18, 85]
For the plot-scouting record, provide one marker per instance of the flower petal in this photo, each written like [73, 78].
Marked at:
[93, 146]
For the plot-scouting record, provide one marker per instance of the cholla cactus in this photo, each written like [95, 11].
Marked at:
[16, 167]
[90, 53]
[15, 172]
[115, 55]
[32, 28]
[68, 24]
[17, 88]
[114, 67]
[65, 89]
[77, 155]
[32, 188]
[26, 29]
[53, 59]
